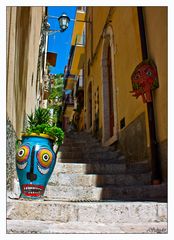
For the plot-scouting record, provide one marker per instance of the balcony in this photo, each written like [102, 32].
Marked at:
[79, 25]
[78, 55]
[51, 58]
[80, 40]
[81, 9]
[69, 82]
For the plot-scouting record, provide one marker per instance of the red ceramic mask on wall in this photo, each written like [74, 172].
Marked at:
[144, 80]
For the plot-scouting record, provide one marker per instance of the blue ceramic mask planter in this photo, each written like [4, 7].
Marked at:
[35, 161]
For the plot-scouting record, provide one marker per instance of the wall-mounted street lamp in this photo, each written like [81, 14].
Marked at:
[63, 23]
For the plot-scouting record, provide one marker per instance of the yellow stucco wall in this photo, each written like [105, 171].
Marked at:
[78, 26]
[127, 55]
[99, 16]
[156, 34]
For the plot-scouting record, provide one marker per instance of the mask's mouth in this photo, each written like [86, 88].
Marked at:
[32, 190]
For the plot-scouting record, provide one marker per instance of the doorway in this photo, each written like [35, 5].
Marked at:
[109, 118]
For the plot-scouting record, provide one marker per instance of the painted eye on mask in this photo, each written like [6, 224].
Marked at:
[149, 73]
[21, 156]
[45, 158]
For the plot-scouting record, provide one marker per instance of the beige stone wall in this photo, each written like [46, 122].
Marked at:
[23, 38]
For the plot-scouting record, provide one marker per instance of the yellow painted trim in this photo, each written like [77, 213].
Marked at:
[79, 50]
[78, 26]
[70, 83]
[37, 135]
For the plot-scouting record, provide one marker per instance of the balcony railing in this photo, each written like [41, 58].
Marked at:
[80, 40]
[81, 9]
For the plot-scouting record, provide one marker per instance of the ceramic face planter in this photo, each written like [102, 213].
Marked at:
[35, 161]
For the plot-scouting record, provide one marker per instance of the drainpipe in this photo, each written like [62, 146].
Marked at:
[155, 160]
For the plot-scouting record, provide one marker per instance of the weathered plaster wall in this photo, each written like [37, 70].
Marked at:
[156, 34]
[127, 55]
[10, 155]
[133, 140]
[23, 36]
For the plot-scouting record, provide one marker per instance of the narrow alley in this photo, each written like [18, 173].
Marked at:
[86, 123]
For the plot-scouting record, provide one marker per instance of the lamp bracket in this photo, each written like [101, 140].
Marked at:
[71, 19]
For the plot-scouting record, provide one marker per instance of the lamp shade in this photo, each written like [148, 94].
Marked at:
[63, 21]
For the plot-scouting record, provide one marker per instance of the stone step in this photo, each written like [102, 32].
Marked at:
[72, 139]
[70, 168]
[124, 193]
[88, 180]
[73, 144]
[89, 155]
[64, 148]
[136, 193]
[73, 155]
[95, 212]
[90, 168]
[91, 149]
[87, 192]
[81, 144]
[119, 160]
[100, 148]
[80, 141]
[51, 227]
[138, 167]
[103, 155]
[69, 193]
[81, 137]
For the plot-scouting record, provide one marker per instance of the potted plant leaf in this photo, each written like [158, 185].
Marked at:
[36, 154]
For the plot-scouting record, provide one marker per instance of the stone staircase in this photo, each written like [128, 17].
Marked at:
[85, 171]
[92, 191]
[85, 217]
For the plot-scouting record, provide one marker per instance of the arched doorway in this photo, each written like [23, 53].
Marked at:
[89, 105]
[110, 93]
[109, 89]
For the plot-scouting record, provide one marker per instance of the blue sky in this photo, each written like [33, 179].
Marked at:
[60, 42]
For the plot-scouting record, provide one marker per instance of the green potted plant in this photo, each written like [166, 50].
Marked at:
[35, 159]
[40, 122]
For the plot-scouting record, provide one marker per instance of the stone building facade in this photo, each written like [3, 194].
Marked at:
[23, 34]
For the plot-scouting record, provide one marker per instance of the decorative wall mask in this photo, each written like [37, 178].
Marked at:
[144, 80]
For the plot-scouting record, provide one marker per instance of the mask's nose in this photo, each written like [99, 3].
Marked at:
[30, 175]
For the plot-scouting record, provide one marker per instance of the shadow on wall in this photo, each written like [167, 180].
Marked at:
[133, 141]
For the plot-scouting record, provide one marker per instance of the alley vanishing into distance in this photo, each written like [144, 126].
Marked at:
[91, 80]
[92, 191]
